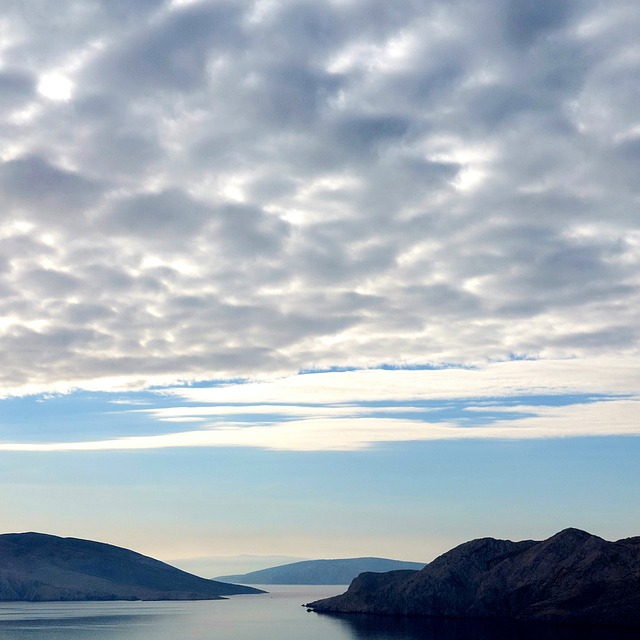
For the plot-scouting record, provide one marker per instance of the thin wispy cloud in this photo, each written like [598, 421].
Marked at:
[344, 411]
[498, 380]
[352, 433]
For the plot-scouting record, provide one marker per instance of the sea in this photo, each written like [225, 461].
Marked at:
[277, 615]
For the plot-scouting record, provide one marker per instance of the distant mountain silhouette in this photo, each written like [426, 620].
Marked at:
[573, 577]
[340, 571]
[40, 567]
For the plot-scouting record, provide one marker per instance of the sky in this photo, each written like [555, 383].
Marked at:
[319, 278]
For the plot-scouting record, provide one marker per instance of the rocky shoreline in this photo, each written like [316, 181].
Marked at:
[572, 577]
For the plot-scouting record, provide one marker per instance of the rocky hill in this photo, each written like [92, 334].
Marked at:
[573, 577]
[39, 567]
[340, 571]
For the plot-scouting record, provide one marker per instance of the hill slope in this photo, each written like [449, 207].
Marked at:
[36, 567]
[341, 571]
[571, 577]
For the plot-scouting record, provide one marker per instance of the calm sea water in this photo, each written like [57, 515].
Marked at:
[277, 615]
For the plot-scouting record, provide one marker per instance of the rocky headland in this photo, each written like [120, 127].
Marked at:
[572, 577]
[40, 567]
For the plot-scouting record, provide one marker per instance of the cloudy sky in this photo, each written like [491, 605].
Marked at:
[319, 277]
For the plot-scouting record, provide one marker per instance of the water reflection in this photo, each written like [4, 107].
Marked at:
[273, 616]
[131, 627]
[367, 627]
[87, 621]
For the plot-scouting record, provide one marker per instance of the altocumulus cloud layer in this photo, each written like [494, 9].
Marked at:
[198, 190]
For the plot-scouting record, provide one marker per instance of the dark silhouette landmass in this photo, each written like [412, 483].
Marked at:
[340, 571]
[573, 577]
[40, 567]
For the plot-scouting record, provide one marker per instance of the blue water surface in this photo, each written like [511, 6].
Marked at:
[277, 615]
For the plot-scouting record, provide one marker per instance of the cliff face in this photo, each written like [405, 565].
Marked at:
[340, 571]
[571, 577]
[35, 566]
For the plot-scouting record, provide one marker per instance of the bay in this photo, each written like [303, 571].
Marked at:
[277, 615]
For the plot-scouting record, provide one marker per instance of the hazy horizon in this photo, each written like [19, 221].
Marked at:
[212, 566]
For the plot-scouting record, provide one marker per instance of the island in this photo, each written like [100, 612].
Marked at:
[338, 571]
[572, 577]
[39, 567]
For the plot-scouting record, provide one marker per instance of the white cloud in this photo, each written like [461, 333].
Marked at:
[344, 411]
[502, 379]
[610, 418]
[55, 87]
[238, 189]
